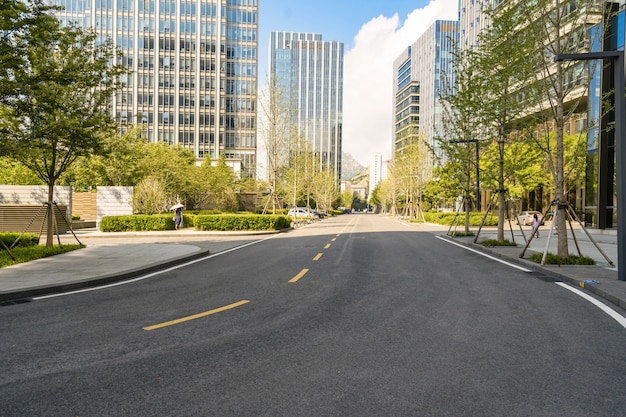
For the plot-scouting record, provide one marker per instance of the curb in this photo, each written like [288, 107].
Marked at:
[14, 296]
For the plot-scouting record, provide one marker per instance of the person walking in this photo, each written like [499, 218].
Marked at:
[178, 218]
[536, 224]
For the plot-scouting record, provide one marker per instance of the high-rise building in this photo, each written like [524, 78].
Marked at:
[309, 70]
[420, 74]
[192, 71]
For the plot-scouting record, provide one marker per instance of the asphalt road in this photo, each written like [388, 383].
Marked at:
[357, 315]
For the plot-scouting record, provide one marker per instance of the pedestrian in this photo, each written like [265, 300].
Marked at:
[178, 218]
[536, 224]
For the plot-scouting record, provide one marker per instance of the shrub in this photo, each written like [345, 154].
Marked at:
[447, 218]
[142, 222]
[552, 259]
[493, 242]
[27, 239]
[225, 222]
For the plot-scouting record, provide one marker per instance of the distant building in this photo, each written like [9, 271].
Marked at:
[376, 172]
[310, 71]
[193, 65]
[420, 74]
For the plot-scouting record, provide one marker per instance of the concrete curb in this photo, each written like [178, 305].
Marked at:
[101, 280]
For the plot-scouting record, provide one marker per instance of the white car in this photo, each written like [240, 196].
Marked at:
[301, 212]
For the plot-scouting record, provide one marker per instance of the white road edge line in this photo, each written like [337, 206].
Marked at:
[608, 310]
[521, 268]
[150, 275]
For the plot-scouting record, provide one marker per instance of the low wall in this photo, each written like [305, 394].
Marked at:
[113, 201]
[30, 218]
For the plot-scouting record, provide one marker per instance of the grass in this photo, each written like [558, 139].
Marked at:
[552, 259]
[494, 242]
[461, 234]
[31, 253]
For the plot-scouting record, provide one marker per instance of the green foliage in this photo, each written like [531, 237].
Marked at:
[242, 222]
[494, 242]
[552, 259]
[26, 254]
[141, 222]
[27, 239]
[447, 218]
[150, 196]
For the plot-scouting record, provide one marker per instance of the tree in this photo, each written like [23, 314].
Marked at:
[559, 88]
[412, 169]
[503, 67]
[58, 109]
[461, 138]
[277, 133]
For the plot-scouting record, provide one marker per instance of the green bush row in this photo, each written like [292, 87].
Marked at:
[142, 222]
[242, 222]
[447, 218]
[220, 222]
[27, 239]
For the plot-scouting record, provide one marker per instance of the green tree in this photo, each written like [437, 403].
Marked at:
[58, 111]
[504, 68]
[559, 88]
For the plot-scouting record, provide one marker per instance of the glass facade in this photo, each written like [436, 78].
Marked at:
[600, 188]
[192, 70]
[421, 73]
[310, 71]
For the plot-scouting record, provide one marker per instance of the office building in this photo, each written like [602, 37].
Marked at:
[309, 72]
[192, 71]
[420, 74]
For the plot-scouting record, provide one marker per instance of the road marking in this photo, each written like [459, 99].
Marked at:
[300, 275]
[196, 316]
[327, 246]
[153, 274]
[333, 239]
[608, 310]
[521, 268]
[318, 256]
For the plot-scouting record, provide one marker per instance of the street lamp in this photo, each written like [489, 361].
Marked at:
[617, 58]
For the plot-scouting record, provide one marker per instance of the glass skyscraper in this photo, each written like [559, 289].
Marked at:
[192, 71]
[310, 73]
[420, 74]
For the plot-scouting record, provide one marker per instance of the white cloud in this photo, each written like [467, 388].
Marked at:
[368, 77]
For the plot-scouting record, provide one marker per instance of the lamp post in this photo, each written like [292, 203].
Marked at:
[617, 58]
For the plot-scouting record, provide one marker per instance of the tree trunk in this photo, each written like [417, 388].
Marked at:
[560, 200]
[50, 216]
[501, 201]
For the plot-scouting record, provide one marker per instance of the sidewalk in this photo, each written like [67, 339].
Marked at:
[111, 257]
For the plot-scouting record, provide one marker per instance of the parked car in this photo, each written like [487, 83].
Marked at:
[526, 218]
[301, 212]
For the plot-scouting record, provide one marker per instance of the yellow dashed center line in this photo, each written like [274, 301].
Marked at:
[327, 246]
[318, 256]
[333, 239]
[300, 275]
[196, 316]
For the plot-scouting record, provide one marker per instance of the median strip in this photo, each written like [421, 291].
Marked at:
[196, 316]
[300, 275]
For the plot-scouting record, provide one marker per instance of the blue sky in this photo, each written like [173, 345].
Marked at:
[374, 33]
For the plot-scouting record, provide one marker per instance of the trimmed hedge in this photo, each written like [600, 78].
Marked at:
[447, 218]
[143, 222]
[27, 239]
[217, 222]
[224, 222]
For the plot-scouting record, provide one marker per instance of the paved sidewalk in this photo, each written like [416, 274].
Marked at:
[111, 257]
